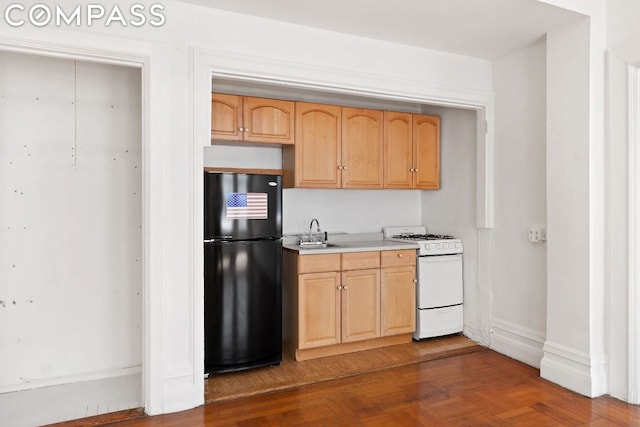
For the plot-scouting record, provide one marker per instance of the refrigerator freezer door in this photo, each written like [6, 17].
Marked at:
[243, 305]
[242, 206]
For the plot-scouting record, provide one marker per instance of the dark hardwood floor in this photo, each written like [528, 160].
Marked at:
[474, 389]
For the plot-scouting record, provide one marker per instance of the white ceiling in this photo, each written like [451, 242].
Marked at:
[479, 28]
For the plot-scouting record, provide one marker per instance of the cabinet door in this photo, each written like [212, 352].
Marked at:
[398, 150]
[226, 117]
[426, 152]
[360, 305]
[317, 148]
[318, 309]
[362, 148]
[398, 300]
[268, 120]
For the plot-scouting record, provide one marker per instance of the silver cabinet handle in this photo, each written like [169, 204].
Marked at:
[345, 287]
[415, 280]
[339, 288]
[399, 255]
[344, 167]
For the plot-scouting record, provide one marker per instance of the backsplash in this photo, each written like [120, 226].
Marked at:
[352, 211]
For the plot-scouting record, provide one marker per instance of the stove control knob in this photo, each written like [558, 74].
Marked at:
[427, 246]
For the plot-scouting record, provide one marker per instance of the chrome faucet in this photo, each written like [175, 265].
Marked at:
[311, 228]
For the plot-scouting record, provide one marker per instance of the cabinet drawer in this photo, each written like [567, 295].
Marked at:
[318, 263]
[397, 258]
[360, 260]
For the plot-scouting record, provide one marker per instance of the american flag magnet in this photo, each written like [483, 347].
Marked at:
[247, 206]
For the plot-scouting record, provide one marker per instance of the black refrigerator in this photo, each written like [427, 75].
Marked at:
[242, 271]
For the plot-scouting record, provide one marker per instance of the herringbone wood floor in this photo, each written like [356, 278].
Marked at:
[481, 388]
[293, 373]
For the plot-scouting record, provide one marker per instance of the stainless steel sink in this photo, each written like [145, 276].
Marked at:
[317, 245]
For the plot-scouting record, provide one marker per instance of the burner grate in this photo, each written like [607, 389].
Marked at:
[423, 236]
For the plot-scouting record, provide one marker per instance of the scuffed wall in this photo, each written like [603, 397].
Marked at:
[70, 223]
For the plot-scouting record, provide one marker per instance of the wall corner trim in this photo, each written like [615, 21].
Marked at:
[634, 236]
[573, 369]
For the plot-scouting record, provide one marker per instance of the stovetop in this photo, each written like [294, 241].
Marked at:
[417, 237]
[430, 244]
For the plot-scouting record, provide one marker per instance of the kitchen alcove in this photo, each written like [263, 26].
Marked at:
[451, 208]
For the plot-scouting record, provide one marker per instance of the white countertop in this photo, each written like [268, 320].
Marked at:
[343, 243]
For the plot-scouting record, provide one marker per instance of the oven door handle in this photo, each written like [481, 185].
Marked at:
[439, 258]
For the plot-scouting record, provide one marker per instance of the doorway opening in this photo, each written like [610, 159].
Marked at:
[72, 226]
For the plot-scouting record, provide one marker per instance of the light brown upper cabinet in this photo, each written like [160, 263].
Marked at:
[336, 147]
[314, 161]
[426, 152]
[398, 150]
[411, 151]
[362, 148]
[245, 118]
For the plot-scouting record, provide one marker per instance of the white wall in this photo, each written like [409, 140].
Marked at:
[623, 38]
[520, 271]
[618, 229]
[623, 43]
[452, 209]
[352, 211]
[569, 355]
[70, 234]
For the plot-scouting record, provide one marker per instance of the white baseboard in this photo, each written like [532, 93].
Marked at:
[519, 343]
[574, 370]
[46, 405]
[180, 393]
[474, 335]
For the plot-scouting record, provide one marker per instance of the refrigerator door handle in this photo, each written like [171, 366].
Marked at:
[218, 239]
[228, 239]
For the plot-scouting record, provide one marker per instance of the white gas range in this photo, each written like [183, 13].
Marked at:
[439, 291]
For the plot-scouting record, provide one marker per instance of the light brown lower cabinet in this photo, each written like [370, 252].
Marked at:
[340, 303]
[319, 309]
